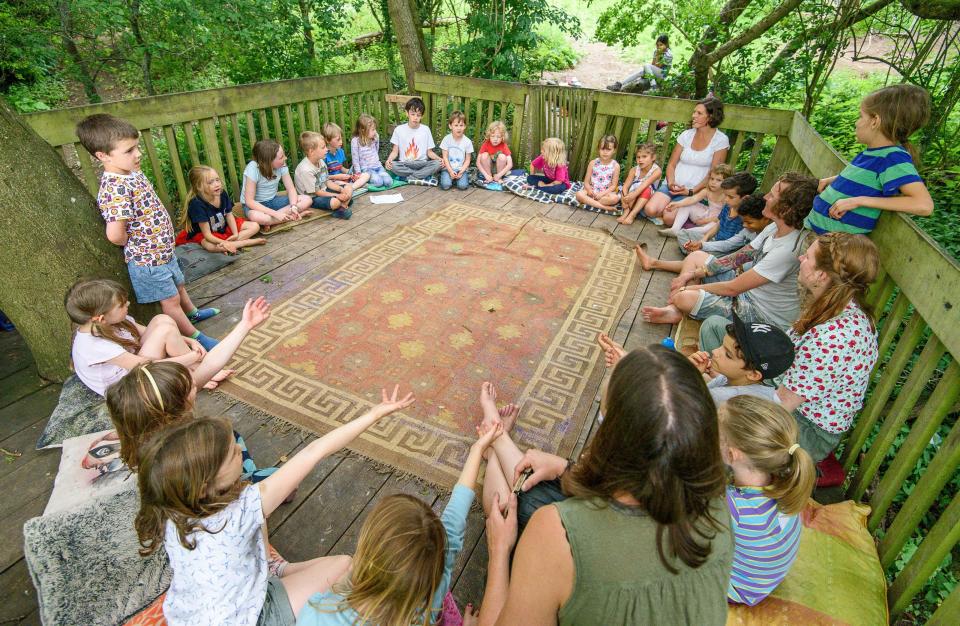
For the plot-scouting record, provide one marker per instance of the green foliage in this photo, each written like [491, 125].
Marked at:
[554, 53]
[503, 39]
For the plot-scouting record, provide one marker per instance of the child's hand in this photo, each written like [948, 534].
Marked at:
[502, 525]
[228, 247]
[195, 346]
[392, 403]
[255, 312]
[692, 246]
[612, 351]
[842, 206]
[701, 360]
[486, 436]
[389, 164]
[822, 184]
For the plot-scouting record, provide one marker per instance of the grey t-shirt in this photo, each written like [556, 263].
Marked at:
[721, 391]
[777, 301]
[266, 187]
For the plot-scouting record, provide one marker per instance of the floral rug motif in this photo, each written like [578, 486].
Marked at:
[465, 295]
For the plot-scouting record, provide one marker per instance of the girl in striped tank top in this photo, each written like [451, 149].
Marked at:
[772, 479]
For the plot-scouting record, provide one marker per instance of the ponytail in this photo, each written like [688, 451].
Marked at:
[768, 434]
[198, 181]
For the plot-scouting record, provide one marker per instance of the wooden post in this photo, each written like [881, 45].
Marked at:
[52, 235]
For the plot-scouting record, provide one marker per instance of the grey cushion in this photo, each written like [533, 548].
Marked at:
[80, 411]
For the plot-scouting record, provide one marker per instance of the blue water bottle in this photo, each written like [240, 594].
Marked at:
[667, 342]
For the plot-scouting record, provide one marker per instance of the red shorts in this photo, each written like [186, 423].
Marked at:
[182, 235]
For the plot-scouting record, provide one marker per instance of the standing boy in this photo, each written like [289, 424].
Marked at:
[412, 155]
[137, 220]
[457, 150]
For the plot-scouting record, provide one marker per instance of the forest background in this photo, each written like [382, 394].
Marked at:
[819, 57]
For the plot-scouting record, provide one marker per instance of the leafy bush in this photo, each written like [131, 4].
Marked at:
[554, 53]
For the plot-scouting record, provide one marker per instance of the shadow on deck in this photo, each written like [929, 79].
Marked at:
[309, 526]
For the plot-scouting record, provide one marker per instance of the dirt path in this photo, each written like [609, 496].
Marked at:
[600, 66]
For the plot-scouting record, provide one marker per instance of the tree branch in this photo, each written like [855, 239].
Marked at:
[753, 32]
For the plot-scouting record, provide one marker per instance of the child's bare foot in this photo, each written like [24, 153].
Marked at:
[259, 241]
[661, 315]
[508, 415]
[626, 219]
[488, 402]
[645, 261]
[306, 213]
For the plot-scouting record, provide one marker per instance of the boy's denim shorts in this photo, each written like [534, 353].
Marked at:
[153, 283]
[322, 202]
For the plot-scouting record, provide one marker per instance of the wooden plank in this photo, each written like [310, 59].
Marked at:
[928, 487]
[15, 353]
[159, 180]
[86, 167]
[264, 127]
[934, 410]
[819, 157]
[884, 387]
[947, 613]
[736, 117]
[891, 323]
[916, 263]
[231, 182]
[173, 152]
[314, 109]
[251, 129]
[301, 116]
[277, 128]
[188, 133]
[13, 519]
[758, 144]
[735, 150]
[57, 127]
[20, 385]
[902, 407]
[292, 147]
[936, 545]
[29, 411]
[18, 598]
[211, 144]
[238, 147]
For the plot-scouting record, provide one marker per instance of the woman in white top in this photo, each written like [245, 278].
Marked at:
[699, 149]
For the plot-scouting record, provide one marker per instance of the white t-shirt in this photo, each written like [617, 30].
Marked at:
[412, 142]
[721, 391]
[457, 151]
[309, 178]
[90, 356]
[778, 300]
[694, 165]
[266, 187]
[224, 579]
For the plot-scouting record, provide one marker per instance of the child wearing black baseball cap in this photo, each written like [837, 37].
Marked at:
[751, 352]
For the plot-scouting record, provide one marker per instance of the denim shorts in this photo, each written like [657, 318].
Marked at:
[709, 304]
[322, 202]
[276, 610]
[153, 283]
[276, 203]
[664, 188]
[541, 494]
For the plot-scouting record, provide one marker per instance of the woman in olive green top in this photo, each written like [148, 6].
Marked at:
[644, 536]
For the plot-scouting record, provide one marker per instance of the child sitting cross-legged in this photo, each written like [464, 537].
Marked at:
[751, 353]
[138, 221]
[313, 179]
[494, 160]
[773, 477]
[365, 152]
[336, 160]
[735, 188]
[639, 184]
[405, 557]
[603, 178]
[694, 209]
[194, 503]
[108, 342]
[552, 163]
[261, 182]
[207, 216]
[412, 155]
[457, 149]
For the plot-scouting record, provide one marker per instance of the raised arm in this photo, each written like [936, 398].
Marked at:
[254, 313]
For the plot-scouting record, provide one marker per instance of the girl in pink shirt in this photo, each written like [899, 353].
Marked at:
[553, 163]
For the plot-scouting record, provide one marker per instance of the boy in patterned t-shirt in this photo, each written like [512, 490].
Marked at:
[137, 220]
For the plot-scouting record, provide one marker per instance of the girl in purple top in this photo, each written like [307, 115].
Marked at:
[552, 161]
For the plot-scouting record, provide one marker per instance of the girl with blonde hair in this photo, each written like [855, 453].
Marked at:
[404, 561]
[552, 163]
[773, 477]
[207, 216]
[365, 152]
[494, 160]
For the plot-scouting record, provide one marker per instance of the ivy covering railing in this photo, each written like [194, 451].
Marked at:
[899, 437]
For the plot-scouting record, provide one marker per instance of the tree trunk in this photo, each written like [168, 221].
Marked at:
[146, 62]
[409, 39]
[308, 29]
[421, 40]
[80, 66]
[52, 235]
[933, 9]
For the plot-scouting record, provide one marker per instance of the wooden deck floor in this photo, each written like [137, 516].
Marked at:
[332, 502]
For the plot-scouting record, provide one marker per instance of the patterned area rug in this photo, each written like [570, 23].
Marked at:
[463, 296]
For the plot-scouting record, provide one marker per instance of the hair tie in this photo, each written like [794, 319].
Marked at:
[156, 390]
[793, 449]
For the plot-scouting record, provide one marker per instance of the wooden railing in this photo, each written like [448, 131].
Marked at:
[916, 384]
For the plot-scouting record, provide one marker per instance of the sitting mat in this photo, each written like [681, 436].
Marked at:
[836, 579]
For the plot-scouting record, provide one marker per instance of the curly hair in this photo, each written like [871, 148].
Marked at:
[796, 199]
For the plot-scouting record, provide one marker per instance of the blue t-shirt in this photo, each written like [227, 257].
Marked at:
[874, 173]
[321, 608]
[335, 161]
[266, 188]
[729, 226]
[200, 211]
